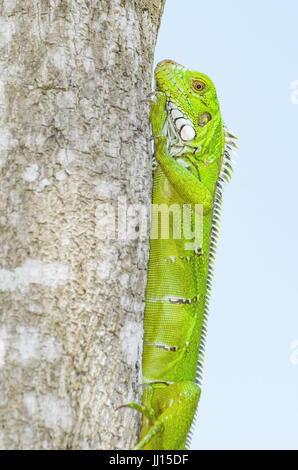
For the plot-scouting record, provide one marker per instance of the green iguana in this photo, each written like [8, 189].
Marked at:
[192, 155]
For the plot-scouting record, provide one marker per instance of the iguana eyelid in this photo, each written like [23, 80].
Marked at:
[198, 85]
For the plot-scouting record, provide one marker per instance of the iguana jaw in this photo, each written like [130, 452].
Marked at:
[179, 131]
[183, 125]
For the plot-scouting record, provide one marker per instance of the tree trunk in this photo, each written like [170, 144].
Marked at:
[74, 138]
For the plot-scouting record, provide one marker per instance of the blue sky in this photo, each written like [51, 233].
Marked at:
[250, 384]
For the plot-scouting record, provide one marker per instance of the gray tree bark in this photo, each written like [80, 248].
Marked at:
[74, 135]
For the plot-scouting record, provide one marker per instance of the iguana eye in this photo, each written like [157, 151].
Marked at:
[198, 85]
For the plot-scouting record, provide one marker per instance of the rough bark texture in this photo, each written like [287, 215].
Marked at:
[74, 134]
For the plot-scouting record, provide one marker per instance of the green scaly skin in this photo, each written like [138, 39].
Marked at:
[188, 172]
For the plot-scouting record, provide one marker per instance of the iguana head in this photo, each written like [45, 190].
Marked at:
[193, 116]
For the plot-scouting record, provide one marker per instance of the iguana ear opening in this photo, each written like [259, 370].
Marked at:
[204, 119]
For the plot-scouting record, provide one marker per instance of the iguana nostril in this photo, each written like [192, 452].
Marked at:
[169, 62]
